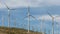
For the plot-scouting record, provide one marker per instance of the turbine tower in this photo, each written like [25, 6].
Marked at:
[28, 15]
[57, 25]
[57, 28]
[14, 22]
[40, 25]
[32, 28]
[52, 22]
[42, 21]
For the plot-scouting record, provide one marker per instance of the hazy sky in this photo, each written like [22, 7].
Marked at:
[31, 3]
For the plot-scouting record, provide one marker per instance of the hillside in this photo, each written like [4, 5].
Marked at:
[5, 30]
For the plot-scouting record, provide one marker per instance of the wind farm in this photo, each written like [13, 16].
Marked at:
[28, 18]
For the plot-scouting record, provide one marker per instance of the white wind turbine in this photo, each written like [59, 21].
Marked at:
[57, 28]
[28, 15]
[9, 9]
[14, 24]
[32, 27]
[52, 21]
[41, 22]
[57, 24]
[8, 13]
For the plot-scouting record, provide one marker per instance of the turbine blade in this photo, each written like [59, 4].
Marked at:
[25, 17]
[12, 9]
[32, 16]
[50, 14]
[6, 6]
[28, 9]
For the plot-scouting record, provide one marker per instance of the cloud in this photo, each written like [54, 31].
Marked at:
[31, 3]
[47, 17]
[58, 19]
[53, 2]
[15, 3]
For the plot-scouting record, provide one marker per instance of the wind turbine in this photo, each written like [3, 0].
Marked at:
[52, 21]
[43, 24]
[8, 15]
[32, 27]
[14, 24]
[57, 25]
[28, 15]
[24, 26]
[40, 25]
[42, 21]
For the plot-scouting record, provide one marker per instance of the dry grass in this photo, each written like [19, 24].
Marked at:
[5, 30]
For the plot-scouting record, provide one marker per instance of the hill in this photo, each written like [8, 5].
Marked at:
[6, 30]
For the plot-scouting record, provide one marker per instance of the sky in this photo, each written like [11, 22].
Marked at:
[38, 9]
[31, 3]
